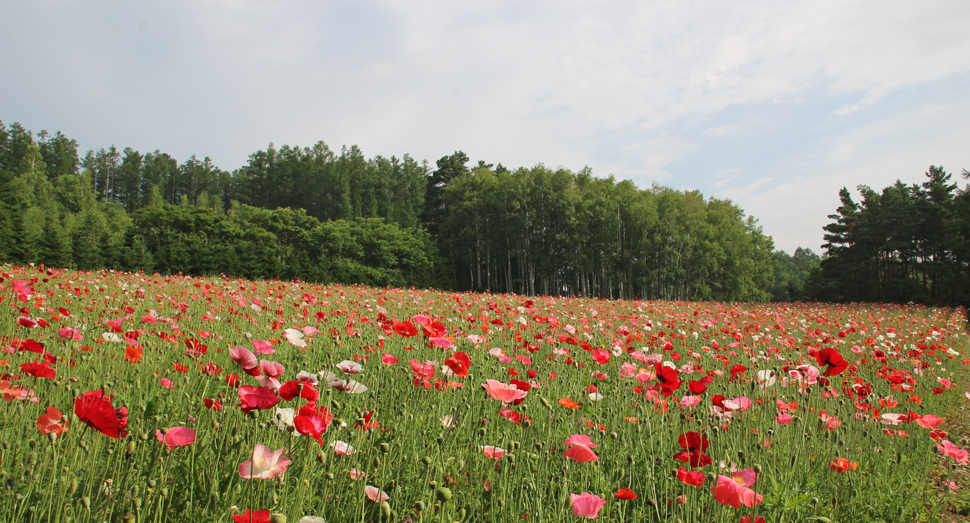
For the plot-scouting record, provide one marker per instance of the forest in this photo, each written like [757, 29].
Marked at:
[322, 215]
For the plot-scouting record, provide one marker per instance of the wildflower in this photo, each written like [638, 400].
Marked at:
[47, 423]
[580, 449]
[94, 409]
[350, 367]
[930, 421]
[265, 464]
[842, 465]
[176, 437]
[493, 452]
[951, 450]
[569, 403]
[459, 363]
[341, 448]
[833, 361]
[502, 392]
[313, 425]
[587, 505]
[38, 370]
[734, 491]
[691, 478]
[375, 494]
[253, 398]
[260, 516]
[694, 445]
[625, 494]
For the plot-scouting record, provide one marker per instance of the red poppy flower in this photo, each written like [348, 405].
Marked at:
[212, 404]
[691, 478]
[696, 387]
[459, 364]
[669, 382]
[293, 389]
[367, 423]
[95, 409]
[694, 446]
[38, 370]
[406, 329]
[260, 516]
[625, 494]
[254, 398]
[832, 360]
[312, 425]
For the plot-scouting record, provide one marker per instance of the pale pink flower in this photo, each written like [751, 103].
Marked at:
[689, 402]
[356, 474]
[350, 367]
[375, 494]
[830, 422]
[266, 464]
[69, 333]
[628, 370]
[342, 448]
[502, 392]
[310, 331]
[493, 452]
[243, 357]
[733, 491]
[739, 403]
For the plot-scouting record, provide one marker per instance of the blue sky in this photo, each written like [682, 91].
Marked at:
[774, 105]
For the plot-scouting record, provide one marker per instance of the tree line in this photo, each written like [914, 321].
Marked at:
[321, 215]
[906, 243]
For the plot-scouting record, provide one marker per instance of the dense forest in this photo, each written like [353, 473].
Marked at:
[321, 215]
[908, 243]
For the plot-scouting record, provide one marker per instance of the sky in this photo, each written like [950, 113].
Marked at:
[775, 105]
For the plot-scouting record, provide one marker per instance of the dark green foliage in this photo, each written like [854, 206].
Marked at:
[313, 214]
[792, 274]
[905, 244]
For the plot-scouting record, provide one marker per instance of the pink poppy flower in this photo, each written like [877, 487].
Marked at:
[830, 422]
[245, 358]
[493, 452]
[357, 475]
[733, 491]
[265, 464]
[784, 418]
[581, 453]
[502, 392]
[263, 347]
[176, 437]
[388, 359]
[350, 367]
[688, 402]
[342, 448]
[739, 403]
[68, 333]
[167, 383]
[628, 370]
[580, 439]
[930, 421]
[587, 505]
[375, 494]
[442, 343]
[955, 452]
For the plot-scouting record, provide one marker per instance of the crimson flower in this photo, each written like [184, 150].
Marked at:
[691, 478]
[834, 361]
[313, 425]
[38, 370]
[260, 516]
[254, 398]
[96, 410]
[406, 329]
[669, 382]
[625, 494]
[694, 446]
[696, 387]
[459, 363]
[293, 389]
[212, 404]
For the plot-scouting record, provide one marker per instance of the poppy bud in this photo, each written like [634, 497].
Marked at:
[385, 448]
[757, 469]
[86, 502]
[433, 484]
[385, 510]
[443, 494]
[652, 502]
[419, 507]
[138, 503]
[277, 518]
[164, 492]
[427, 460]
[329, 475]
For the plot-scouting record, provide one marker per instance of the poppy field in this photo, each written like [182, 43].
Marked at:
[147, 398]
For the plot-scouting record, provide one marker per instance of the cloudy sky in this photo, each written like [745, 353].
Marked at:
[772, 104]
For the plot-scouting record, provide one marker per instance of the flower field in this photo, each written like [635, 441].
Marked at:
[132, 397]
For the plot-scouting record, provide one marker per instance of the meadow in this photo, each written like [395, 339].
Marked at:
[147, 398]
